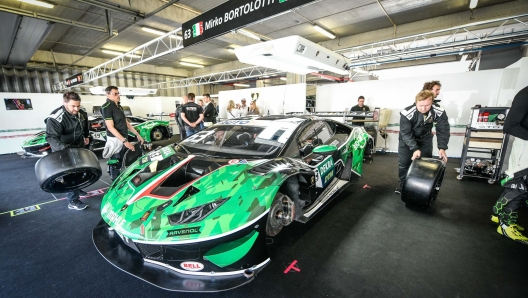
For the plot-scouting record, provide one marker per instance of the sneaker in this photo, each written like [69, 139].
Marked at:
[397, 190]
[495, 219]
[77, 205]
[512, 233]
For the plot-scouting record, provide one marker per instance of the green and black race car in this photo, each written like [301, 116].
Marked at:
[193, 216]
[150, 130]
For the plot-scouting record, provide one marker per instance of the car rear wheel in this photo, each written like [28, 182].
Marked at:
[68, 169]
[280, 214]
[156, 134]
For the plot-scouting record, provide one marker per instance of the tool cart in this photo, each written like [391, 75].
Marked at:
[484, 143]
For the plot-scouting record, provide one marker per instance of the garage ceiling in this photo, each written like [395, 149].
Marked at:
[32, 38]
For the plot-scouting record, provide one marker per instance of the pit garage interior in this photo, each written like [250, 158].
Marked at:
[366, 242]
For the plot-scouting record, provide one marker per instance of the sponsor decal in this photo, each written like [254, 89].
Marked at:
[183, 232]
[234, 122]
[233, 161]
[192, 266]
[326, 166]
[24, 210]
[243, 161]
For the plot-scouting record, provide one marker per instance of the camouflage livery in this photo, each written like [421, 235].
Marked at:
[206, 217]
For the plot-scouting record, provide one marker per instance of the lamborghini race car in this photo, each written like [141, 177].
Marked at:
[150, 130]
[193, 216]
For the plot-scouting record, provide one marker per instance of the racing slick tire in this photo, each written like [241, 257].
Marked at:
[423, 182]
[68, 169]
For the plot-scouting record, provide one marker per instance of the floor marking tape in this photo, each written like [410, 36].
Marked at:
[31, 208]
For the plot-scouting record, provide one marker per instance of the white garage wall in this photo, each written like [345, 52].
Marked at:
[460, 92]
[277, 99]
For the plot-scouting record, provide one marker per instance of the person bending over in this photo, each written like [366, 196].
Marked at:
[416, 138]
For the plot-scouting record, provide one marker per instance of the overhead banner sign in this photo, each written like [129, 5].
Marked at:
[74, 80]
[232, 15]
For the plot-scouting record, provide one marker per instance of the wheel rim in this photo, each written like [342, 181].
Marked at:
[157, 135]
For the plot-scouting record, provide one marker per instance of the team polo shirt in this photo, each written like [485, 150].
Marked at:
[192, 112]
[112, 111]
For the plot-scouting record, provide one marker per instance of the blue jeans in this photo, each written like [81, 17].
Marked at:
[189, 131]
[73, 196]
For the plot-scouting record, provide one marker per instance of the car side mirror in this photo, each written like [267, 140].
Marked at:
[325, 150]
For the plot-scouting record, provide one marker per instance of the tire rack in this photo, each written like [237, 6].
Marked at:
[484, 138]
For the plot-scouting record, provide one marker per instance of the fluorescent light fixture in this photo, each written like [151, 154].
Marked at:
[116, 53]
[473, 4]
[323, 31]
[241, 85]
[100, 90]
[191, 64]
[360, 70]
[248, 34]
[265, 76]
[283, 78]
[293, 54]
[153, 31]
[159, 32]
[39, 3]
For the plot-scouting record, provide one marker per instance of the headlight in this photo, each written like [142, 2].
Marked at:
[195, 214]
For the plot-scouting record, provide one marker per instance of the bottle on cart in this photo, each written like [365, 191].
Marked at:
[485, 116]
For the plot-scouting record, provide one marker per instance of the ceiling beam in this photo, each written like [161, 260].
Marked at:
[54, 19]
[158, 47]
[113, 7]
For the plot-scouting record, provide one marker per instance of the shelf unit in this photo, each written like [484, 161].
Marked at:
[484, 143]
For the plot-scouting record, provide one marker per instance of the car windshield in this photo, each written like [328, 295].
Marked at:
[235, 141]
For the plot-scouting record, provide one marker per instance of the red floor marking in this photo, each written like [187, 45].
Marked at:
[366, 186]
[292, 266]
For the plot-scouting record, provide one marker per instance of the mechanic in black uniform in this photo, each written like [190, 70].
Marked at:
[415, 138]
[117, 127]
[515, 193]
[360, 107]
[192, 116]
[67, 127]
[208, 110]
[433, 86]
[178, 117]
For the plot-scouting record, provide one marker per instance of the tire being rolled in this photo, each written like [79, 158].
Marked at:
[423, 182]
[68, 169]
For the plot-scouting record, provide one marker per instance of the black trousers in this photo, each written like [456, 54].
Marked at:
[514, 196]
[405, 154]
[115, 169]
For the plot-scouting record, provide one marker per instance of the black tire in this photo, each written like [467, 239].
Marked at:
[156, 134]
[68, 169]
[423, 182]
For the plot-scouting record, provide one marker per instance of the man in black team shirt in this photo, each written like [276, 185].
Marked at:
[67, 127]
[360, 107]
[515, 194]
[192, 115]
[117, 127]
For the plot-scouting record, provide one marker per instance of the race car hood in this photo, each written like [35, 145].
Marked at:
[166, 198]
